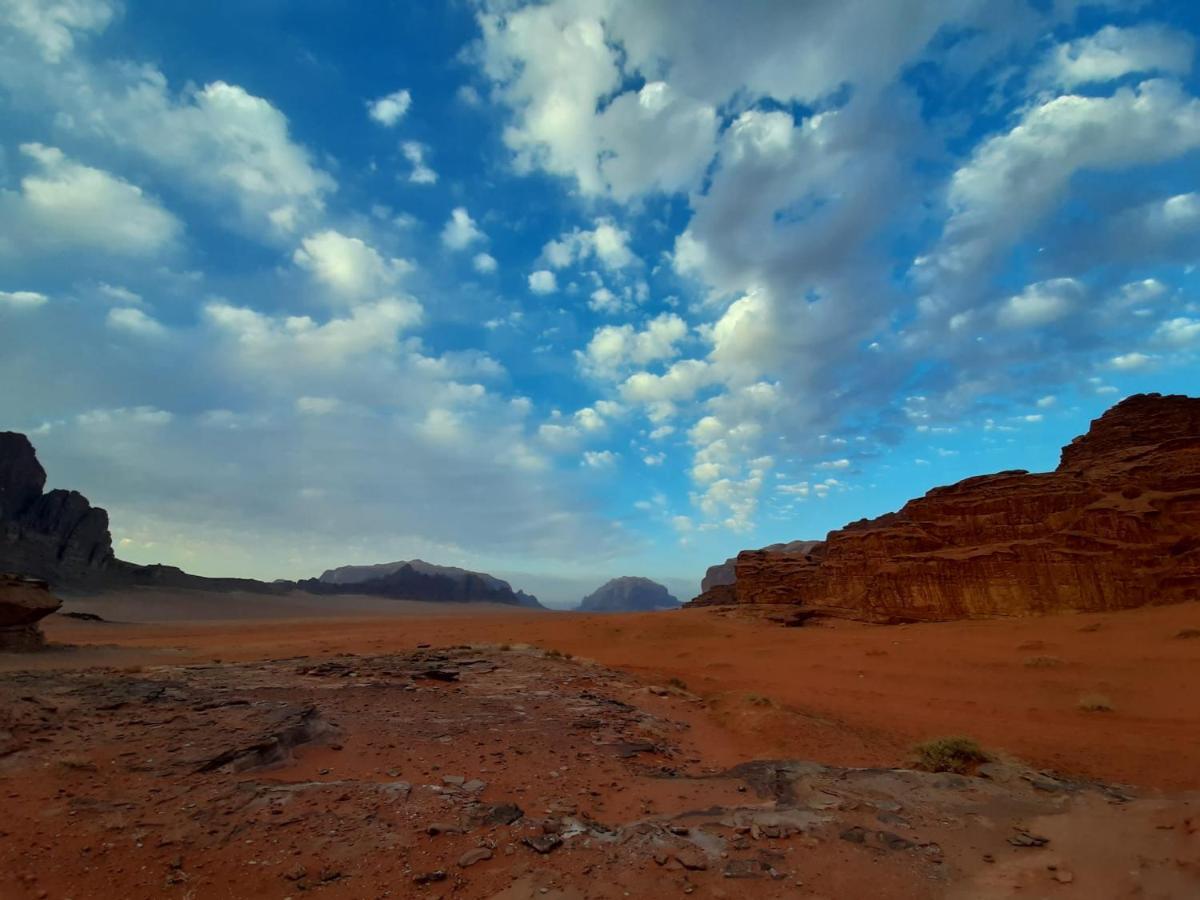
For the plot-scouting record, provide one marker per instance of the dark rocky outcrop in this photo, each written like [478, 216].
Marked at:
[1116, 525]
[57, 536]
[628, 594]
[419, 580]
[24, 602]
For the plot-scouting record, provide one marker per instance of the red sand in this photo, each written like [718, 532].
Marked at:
[842, 693]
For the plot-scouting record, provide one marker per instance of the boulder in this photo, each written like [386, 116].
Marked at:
[24, 602]
[628, 594]
[1116, 525]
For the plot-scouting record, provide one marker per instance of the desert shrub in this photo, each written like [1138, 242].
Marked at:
[1188, 633]
[1095, 703]
[678, 684]
[1043, 662]
[959, 755]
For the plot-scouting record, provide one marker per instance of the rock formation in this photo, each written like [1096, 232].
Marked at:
[57, 536]
[419, 580]
[1116, 525]
[628, 594]
[23, 603]
[717, 586]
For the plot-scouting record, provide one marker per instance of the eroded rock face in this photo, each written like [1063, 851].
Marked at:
[23, 603]
[717, 586]
[58, 536]
[628, 594]
[1116, 525]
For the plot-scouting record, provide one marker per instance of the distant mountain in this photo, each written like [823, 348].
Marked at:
[59, 537]
[419, 580]
[628, 594]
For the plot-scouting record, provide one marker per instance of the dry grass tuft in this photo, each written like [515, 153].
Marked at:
[1044, 662]
[956, 754]
[1095, 703]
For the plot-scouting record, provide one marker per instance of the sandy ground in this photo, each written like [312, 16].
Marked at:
[840, 693]
[240, 746]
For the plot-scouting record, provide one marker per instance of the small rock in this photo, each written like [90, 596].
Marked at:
[453, 780]
[429, 877]
[855, 835]
[543, 843]
[474, 786]
[1062, 876]
[503, 814]
[691, 860]
[479, 854]
[1025, 839]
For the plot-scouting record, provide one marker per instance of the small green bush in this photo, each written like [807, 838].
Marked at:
[959, 755]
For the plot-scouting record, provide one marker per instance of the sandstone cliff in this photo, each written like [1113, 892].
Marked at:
[717, 586]
[1116, 525]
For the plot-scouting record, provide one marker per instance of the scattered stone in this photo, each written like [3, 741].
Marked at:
[855, 835]
[543, 843]
[503, 814]
[429, 877]
[479, 854]
[692, 860]
[439, 674]
[1062, 876]
[1025, 839]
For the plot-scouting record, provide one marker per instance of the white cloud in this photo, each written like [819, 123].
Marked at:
[834, 464]
[389, 110]
[1113, 52]
[599, 459]
[613, 348]
[119, 294]
[461, 231]
[605, 242]
[421, 173]
[134, 321]
[349, 267]
[281, 343]
[53, 25]
[22, 299]
[1179, 332]
[1041, 303]
[484, 263]
[543, 282]
[64, 203]
[317, 406]
[1128, 362]
[1013, 179]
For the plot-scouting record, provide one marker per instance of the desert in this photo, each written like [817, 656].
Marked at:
[600, 450]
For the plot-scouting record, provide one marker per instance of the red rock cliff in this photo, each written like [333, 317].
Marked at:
[1116, 525]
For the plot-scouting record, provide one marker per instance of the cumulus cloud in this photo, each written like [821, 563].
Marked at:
[1113, 52]
[484, 263]
[54, 25]
[1041, 303]
[1012, 180]
[64, 203]
[22, 299]
[461, 231]
[614, 348]
[606, 242]
[420, 173]
[348, 267]
[543, 281]
[136, 322]
[389, 110]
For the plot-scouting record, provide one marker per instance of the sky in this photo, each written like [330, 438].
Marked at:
[570, 290]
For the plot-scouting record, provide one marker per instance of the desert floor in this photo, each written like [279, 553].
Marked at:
[637, 743]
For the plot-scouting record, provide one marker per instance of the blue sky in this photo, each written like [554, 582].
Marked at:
[577, 289]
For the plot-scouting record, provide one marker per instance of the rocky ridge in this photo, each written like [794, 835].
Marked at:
[628, 594]
[1116, 525]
